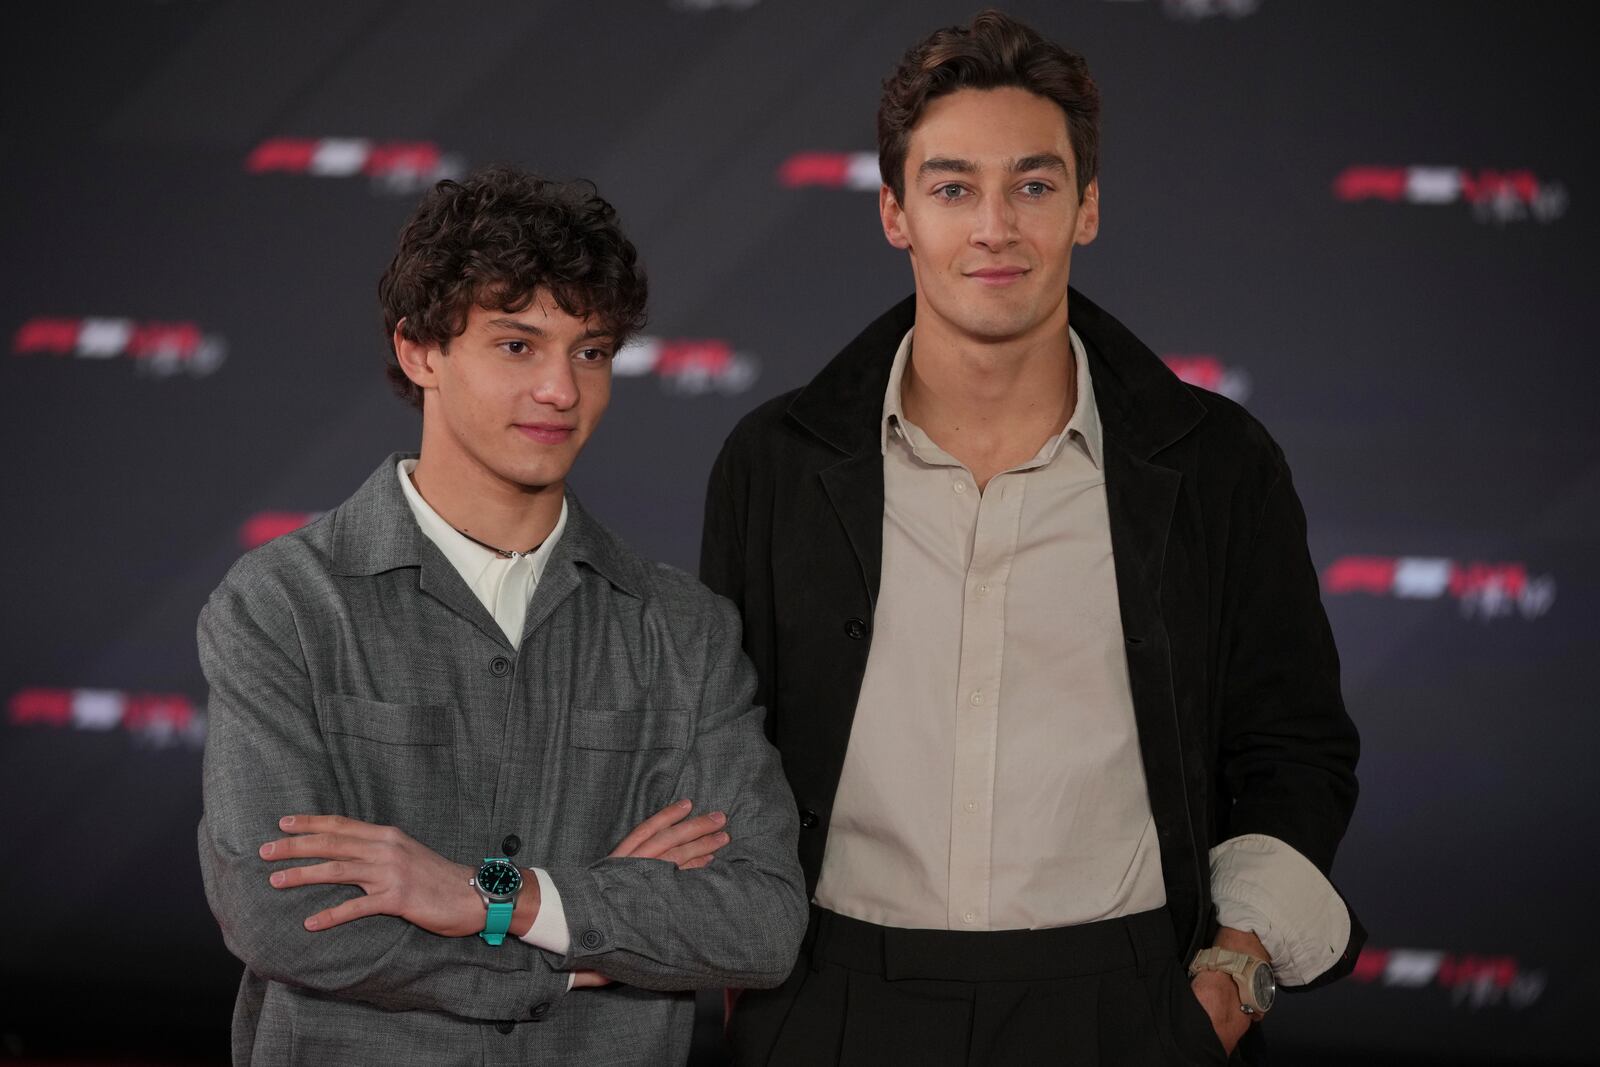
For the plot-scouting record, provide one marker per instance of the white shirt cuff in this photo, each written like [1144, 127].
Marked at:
[549, 930]
[1263, 886]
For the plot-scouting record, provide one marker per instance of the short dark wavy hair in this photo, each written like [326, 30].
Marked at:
[495, 238]
[994, 52]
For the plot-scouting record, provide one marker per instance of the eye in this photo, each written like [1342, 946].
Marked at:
[592, 355]
[949, 192]
[515, 348]
[1035, 189]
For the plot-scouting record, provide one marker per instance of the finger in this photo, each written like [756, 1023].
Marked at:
[354, 908]
[325, 824]
[339, 872]
[673, 836]
[315, 846]
[589, 980]
[700, 846]
[696, 863]
[655, 823]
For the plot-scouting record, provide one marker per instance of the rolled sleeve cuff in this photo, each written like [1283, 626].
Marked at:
[1265, 887]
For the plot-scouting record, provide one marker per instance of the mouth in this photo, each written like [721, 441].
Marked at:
[545, 433]
[997, 276]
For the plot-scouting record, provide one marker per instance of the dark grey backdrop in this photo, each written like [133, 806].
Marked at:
[1416, 333]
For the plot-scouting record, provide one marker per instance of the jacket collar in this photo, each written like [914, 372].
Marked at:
[374, 531]
[1142, 404]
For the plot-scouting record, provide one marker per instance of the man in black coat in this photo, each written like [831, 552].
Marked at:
[1038, 634]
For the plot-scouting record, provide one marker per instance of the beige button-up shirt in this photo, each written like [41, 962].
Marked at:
[993, 778]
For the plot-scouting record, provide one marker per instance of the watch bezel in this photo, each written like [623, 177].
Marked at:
[498, 864]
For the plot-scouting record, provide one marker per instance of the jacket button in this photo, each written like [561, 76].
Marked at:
[505, 1026]
[539, 1010]
[809, 819]
[855, 629]
[592, 939]
[510, 845]
[499, 666]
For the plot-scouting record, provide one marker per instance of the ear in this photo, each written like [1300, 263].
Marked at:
[1088, 224]
[893, 217]
[415, 358]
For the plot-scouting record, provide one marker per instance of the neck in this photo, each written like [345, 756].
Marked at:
[484, 506]
[990, 404]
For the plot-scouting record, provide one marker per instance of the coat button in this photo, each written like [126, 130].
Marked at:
[855, 629]
[809, 819]
[499, 666]
[510, 845]
[592, 939]
[539, 1010]
[505, 1026]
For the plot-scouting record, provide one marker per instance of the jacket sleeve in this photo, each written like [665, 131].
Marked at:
[735, 922]
[265, 758]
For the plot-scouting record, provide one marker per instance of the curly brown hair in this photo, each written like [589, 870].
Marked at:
[495, 238]
[995, 51]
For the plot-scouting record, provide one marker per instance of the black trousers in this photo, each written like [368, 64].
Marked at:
[1111, 992]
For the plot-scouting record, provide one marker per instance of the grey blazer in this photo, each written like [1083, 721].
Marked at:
[353, 672]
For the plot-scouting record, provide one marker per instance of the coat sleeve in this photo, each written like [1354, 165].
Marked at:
[739, 920]
[265, 758]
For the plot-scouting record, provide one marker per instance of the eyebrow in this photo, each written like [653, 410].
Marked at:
[948, 165]
[534, 331]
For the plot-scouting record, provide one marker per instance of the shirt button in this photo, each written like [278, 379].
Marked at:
[499, 666]
[592, 939]
[855, 629]
[960, 487]
[968, 917]
[505, 1026]
[971, 805]
[977, 698]
[983, 590]
[511, 845]
[808, 819]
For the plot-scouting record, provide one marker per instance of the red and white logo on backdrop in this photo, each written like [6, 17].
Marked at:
[691, 367]
[392, 166]
[1209, 372]
[263, 526]
[831, 170]
[1474, 981]
[1498, 196]
[160, 349]
[1485, 591]
[160, 720]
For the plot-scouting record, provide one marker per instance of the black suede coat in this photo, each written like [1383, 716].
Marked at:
[1234, 674]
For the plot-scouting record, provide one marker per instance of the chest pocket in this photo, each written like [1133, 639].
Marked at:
[625, 763]
[396, 765]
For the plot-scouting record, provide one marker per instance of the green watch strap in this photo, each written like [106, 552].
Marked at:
[498, 922]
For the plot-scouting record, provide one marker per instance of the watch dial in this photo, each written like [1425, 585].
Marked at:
[1265, 987]
[499, 879]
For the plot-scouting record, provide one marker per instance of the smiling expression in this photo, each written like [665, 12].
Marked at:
[991, 214]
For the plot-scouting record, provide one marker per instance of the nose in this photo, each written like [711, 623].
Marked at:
[556, 385]
[994, 224]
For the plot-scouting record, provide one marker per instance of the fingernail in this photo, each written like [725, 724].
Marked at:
[268, 849]
[287, 821]
[277, 878]
[723, 839]
[311, 923]
[685, 803]
[718, 817]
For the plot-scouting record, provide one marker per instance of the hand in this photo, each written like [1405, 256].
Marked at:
[397, 875]
[1219, 996]
[666, 836]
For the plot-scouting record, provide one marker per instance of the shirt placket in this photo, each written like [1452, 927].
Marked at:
[992, 520]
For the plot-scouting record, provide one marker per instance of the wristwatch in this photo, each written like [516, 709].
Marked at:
[1257, 987]
[498, 882]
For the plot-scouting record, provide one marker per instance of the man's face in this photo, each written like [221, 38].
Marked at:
[518, 393]
[991, 212]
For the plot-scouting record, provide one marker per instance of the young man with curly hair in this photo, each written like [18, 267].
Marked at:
[1038, 633]
[473, 765]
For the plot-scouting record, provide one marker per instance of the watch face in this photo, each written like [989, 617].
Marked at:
[499, 878]
[1265, 987]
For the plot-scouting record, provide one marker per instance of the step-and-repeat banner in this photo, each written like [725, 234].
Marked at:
[1372, 223]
